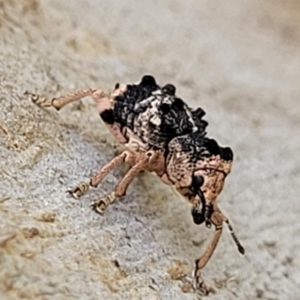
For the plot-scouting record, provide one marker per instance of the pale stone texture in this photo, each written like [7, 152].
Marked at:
[238, 60]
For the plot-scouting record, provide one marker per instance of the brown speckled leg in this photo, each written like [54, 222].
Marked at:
[120, 190]
[125, 156]
[59, 102]
[80, 189]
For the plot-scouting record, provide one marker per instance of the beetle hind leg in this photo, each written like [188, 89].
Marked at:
[59, 102]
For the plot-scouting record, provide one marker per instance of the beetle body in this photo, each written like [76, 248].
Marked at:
[163, 135]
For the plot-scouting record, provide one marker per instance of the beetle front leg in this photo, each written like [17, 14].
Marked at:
[217, 221]
[120, 190]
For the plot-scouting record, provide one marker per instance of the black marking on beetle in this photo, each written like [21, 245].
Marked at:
[108, 116]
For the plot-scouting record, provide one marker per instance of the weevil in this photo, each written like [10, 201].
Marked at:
[163, 135]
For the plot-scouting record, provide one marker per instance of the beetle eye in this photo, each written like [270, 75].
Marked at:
[197, 182]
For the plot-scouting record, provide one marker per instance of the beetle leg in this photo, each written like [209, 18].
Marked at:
[60, 102]
[120, 190]
[80, 189]
[101, 204]
[217, 221]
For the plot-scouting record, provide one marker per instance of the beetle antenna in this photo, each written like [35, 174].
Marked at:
[237, 242]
